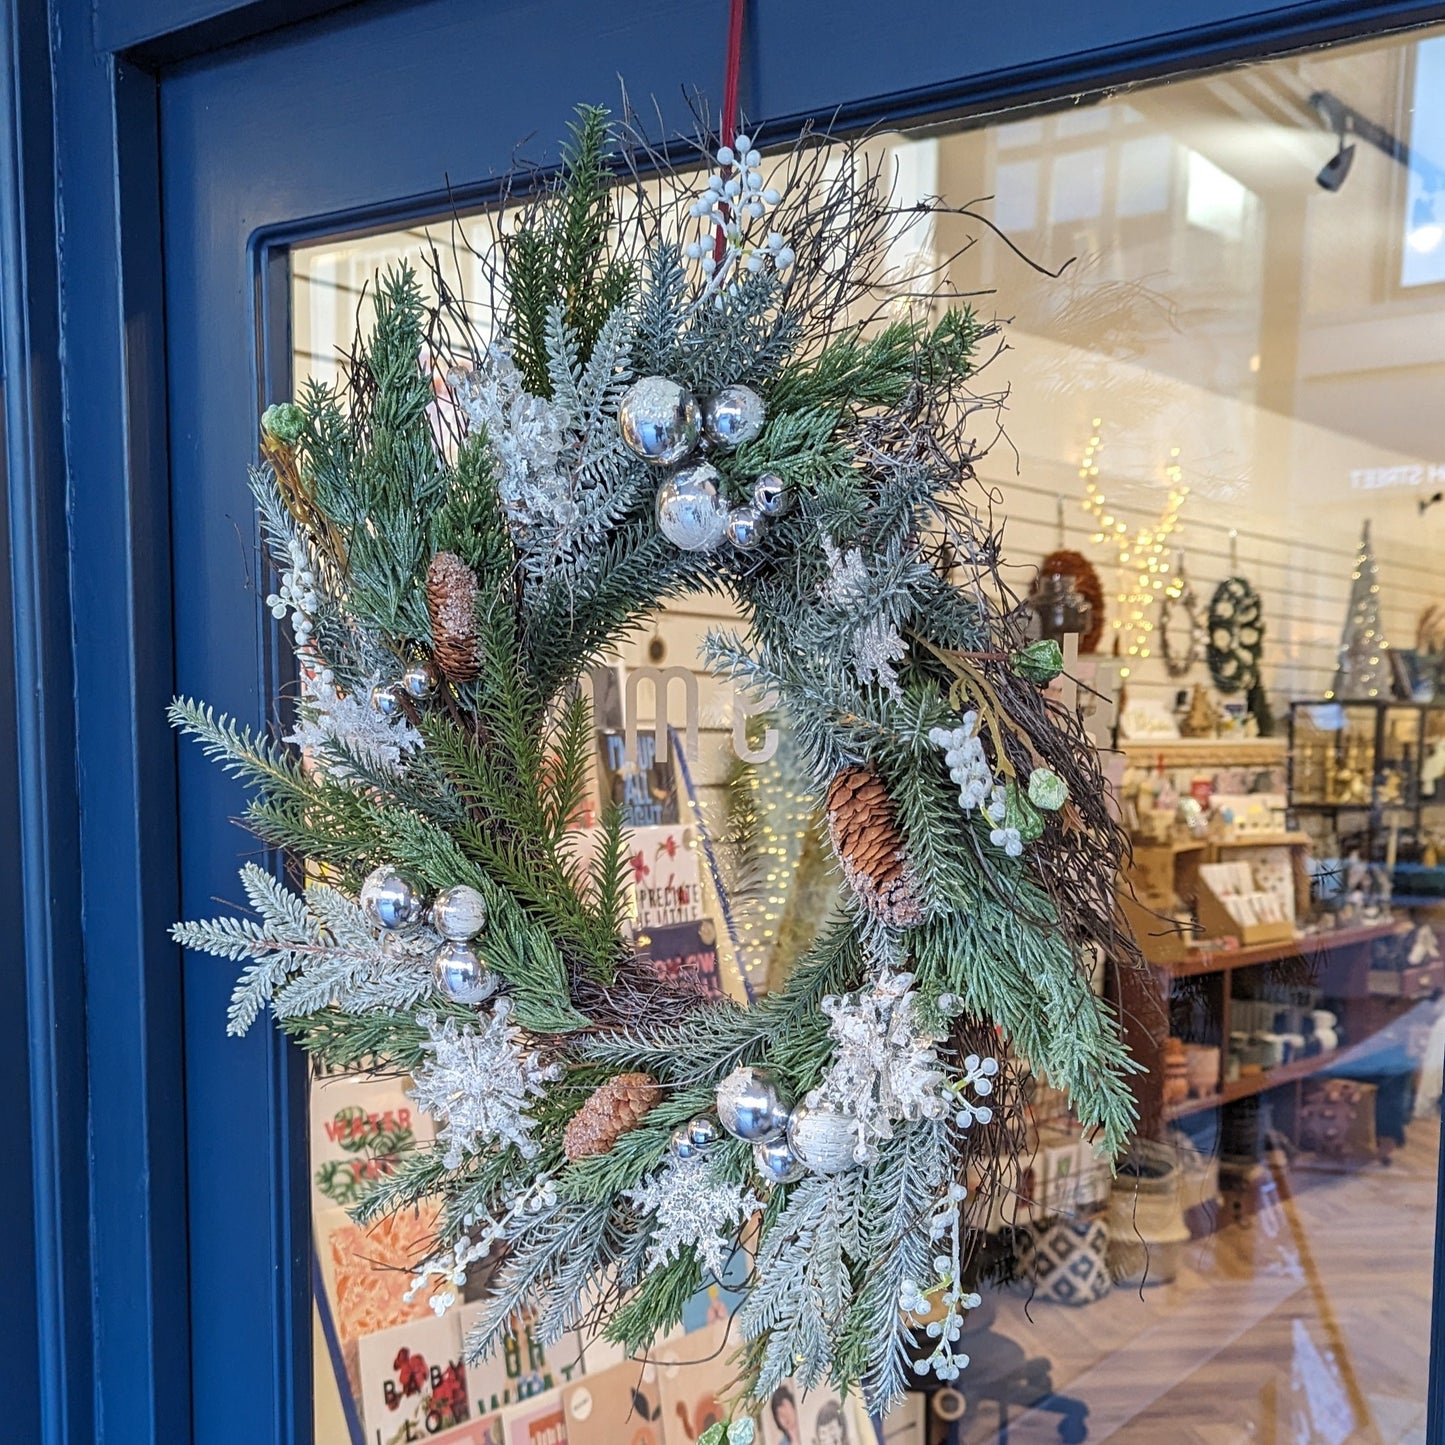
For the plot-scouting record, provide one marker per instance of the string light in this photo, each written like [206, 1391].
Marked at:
[1142, 557]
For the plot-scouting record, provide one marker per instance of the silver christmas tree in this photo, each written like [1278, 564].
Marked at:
[1363, 670]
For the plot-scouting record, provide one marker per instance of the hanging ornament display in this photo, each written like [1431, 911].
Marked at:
[1069, 597]
[608, 1131]
[1236, 636]
[1364, 667]
[1179, 610]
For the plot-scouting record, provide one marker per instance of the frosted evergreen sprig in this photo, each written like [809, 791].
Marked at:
[309, 952]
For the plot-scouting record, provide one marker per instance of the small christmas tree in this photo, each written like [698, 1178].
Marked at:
[1363, 670]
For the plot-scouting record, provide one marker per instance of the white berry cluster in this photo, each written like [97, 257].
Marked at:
[1003, 834]
[945, 1228]
[736, 195]
[978, 1075]
[969, 767]
[296, 595]
[968, 764]
[450, 1267]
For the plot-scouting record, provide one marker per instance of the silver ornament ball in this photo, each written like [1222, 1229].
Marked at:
[386, 700]
[460, 974]
[459, 913]
[703, 1131]
[733, 416]
[823, 1139]
[419, 681]
[389, 899]
[771, 495]
[745, 528]
[691, 512]
[749, 1107]
[776, 1162]
[681, 1144]
[659, 420]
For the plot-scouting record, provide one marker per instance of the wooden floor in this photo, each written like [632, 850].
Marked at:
[1311, 1326]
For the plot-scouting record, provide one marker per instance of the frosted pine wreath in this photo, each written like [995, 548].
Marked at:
[658, 412]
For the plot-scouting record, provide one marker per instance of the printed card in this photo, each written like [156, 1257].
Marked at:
[413, 1382]
[360, 1127]
[541, 1421]
[617, 1406]
[519, 1367]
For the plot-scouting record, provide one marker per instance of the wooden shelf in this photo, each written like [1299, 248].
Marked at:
[1305, 945]
[1249, 1084]
[1205, 752]
[1265, 840]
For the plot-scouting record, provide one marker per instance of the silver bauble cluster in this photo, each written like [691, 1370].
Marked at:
[733, 416]
[659, 419]
[694, 1138]
[787, 1140]
[418, 683]
[459, 972]
[662, 422]
[392, 902]
[822, 1138]
[459, 913]
[750, 1107]
[390, 899]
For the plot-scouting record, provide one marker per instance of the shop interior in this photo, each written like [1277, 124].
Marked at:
[1222, 468]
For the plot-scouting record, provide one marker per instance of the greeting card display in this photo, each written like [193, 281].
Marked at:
[359, 1129]
[617, 1406]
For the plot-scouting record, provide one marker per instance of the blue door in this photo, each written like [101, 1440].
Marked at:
[371, 117]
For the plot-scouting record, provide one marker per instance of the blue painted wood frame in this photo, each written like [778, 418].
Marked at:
[192, 1277]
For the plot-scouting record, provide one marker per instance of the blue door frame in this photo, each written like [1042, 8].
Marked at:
[167, 1224]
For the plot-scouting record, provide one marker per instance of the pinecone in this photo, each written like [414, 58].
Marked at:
[619, 1106]
[864, 830]
[451, 598]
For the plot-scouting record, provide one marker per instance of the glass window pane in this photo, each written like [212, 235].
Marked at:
[1227, 406]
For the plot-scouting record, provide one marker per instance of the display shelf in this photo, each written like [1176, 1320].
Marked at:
[1302, 945]
[1249, 1084]
[1206, 752]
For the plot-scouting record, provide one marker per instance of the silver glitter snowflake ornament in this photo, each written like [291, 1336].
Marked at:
[885, 1067]
[876, 644]
[331, 725]
[692, 1207]
[478, 1083]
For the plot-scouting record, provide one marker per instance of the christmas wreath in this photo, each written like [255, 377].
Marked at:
[1180, 594]
[1236, 636]
[678, 394]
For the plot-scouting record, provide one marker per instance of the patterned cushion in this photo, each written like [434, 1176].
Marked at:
[1068, 1261]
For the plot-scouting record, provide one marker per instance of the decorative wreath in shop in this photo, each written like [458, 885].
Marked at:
[1065, 562]
[1236, 636]
[681, 392]
[1180, 594]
